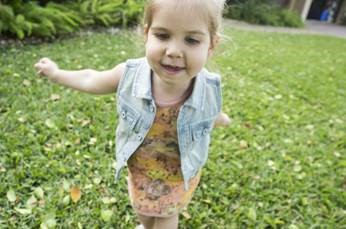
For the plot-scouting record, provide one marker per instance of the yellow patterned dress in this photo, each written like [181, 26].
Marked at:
[155, 182]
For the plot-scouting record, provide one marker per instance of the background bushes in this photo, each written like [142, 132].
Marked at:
[265, 12]
[50, 18]
[44, 18]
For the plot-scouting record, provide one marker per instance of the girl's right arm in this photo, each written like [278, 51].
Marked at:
[87, 80]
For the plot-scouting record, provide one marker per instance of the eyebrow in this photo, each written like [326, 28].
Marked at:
[199, 32]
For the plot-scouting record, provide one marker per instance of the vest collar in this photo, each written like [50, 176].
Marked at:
[142, 82]
[142, 86]
[198, 93]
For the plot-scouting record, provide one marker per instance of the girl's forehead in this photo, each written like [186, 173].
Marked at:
[177, 15]
[181, 7]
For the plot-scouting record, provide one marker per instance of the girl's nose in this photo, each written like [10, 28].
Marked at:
[173, 50]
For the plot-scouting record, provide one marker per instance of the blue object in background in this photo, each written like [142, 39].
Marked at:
[324, 15]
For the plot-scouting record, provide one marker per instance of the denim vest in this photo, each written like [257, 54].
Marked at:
[137, 109]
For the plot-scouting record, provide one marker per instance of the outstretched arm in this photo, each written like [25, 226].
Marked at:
[222, 120]
[87, 80]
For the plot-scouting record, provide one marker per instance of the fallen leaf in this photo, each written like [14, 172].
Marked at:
[107, 200]
[77, 141]
[301, 176]
[97, 180]
[66, 200]
[252, 214]
[85, 122]
[88, 186]
[22, 119]
[297, 168]
[48, 222]
[49, 123]
[243, 144]
[106, 215]
[186, 215]
[270, 163]
[292, 226]
[278, 96]
[92, 141]
[55, 97]
[26, 83]
[11, 195]
[23, 211]
[66, 185]
[31, 202]
[39, 192]
[206, 201]
[337, 154]
[75, 194]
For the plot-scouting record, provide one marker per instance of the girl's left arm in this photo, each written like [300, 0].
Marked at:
[222, 120]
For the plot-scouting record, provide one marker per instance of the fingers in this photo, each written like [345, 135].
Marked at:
[45, 67]
[44, 60]
[41, 65]
[41, 68]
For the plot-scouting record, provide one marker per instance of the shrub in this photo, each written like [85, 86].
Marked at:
[31, 19]
[290, 18]
[50, 18]
[263, 12]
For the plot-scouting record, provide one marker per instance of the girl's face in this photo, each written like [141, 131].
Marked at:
[178, 44]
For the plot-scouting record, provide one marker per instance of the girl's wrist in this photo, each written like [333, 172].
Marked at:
[54, 76]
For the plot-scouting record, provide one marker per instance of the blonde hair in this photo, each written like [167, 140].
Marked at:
[211, 9]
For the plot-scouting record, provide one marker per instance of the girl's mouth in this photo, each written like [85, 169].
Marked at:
[172, 69]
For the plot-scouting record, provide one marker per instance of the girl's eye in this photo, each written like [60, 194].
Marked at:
[191, 41]
[161, 36]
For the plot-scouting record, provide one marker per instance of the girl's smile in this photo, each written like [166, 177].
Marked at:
[172, 69]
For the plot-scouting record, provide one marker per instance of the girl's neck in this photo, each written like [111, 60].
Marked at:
[167, 94]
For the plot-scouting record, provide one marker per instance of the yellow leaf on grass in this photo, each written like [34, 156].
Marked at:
[186, 215]
[75, 193]
[243, 144]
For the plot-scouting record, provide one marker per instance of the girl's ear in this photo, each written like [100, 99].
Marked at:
[213, 43]
[145, 31]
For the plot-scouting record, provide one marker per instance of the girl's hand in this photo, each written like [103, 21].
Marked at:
[46, 67]
[222, 120]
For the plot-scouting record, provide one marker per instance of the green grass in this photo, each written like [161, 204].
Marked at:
[281, 164]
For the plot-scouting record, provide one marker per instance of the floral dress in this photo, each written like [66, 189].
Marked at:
[155, 182]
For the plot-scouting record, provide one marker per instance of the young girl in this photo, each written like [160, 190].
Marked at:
[167, 105]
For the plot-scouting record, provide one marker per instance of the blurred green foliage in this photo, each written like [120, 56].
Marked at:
[20, 18]
[265, 12]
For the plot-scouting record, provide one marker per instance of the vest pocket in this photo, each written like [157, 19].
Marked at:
[199, 145]
[128, 115]
[129, 123]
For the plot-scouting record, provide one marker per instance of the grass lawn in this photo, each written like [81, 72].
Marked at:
[281, 164]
